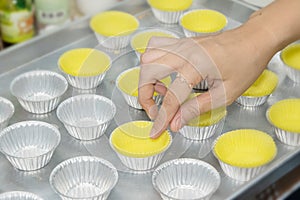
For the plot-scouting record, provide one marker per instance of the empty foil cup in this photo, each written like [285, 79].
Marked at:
[85, 68]
[284, 117]
[202, 22]
[186, 178]
[135, 148]
[113, 29]
[39, 91]
[139, 41]
[7, 110]
[203, 85]
[84, 178]
[86, 117]
[19, 195]
[169, 12]
[127, 83]
[29, 145]
[243, 153]
[289, 57]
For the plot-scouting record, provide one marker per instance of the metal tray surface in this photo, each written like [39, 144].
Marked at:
[133, 185]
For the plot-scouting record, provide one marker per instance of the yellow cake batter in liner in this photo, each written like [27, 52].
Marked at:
[140, 40]
[263, 86]
[285, 115]
[132, 139]
[204, 21]
[291, 56]
[129, 81]
[245, 148]
[114, 23]
[84, 62]
[170, 5]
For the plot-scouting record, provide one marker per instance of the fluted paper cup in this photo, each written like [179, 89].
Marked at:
[127, 83]
[86, 117]
[202, 22]
[7, 110]
[289, 57]
[113, 29]
[244, 153]
[19, 195]
[186, 178]
[84, 178]
[284, 117]
[84, 68]
[135, 149]
[39, 91]
[29, 145]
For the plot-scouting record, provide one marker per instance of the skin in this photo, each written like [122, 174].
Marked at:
[230, 61]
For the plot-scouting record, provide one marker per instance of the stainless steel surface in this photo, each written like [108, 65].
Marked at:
[43, 53]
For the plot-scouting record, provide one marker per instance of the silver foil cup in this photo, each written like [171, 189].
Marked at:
[114, 42]
[202, 132]
[84, 178]
[252, 101]
[39, 91]
[29, 145]
[186, 178]
[7, 110]
[168, 17]
[140, 164]
[286, 137]
[292, 73]
[86, 117]
[138, 54]
[240, 173]
[203, 85]
[19, 195]
[133, 101]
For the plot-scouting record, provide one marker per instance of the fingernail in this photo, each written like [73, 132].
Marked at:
[154, 133]
[153, 112]
[177, 123]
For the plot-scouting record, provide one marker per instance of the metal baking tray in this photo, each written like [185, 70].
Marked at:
[43, 53]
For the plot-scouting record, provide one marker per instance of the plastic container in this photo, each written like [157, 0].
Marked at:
[29, 145]
[259, 92]
[113, 29]
[86, 117]
[39, 91]
[7, 110]
[84, 178]
[244, 153]
[128, 82]
[135, 148]
[284, 117]
[85, 68]
[169, 11]
[202, 22]
[186, 178]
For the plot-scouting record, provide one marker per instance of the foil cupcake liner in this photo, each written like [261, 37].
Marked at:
[29, 145]
[240, 173]
[287, 137]
[19, 195]
[252, 101]
[85, 82]
[39, 91]
[189, 33]
[7, 111]
[140, 164]
[203, 132]
[84, 177]
[186, 178]
[86, 117]
[168, 17]
[113, 43]
[203, 85]
[293, 74]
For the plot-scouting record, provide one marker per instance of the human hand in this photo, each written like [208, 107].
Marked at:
[230, 62]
